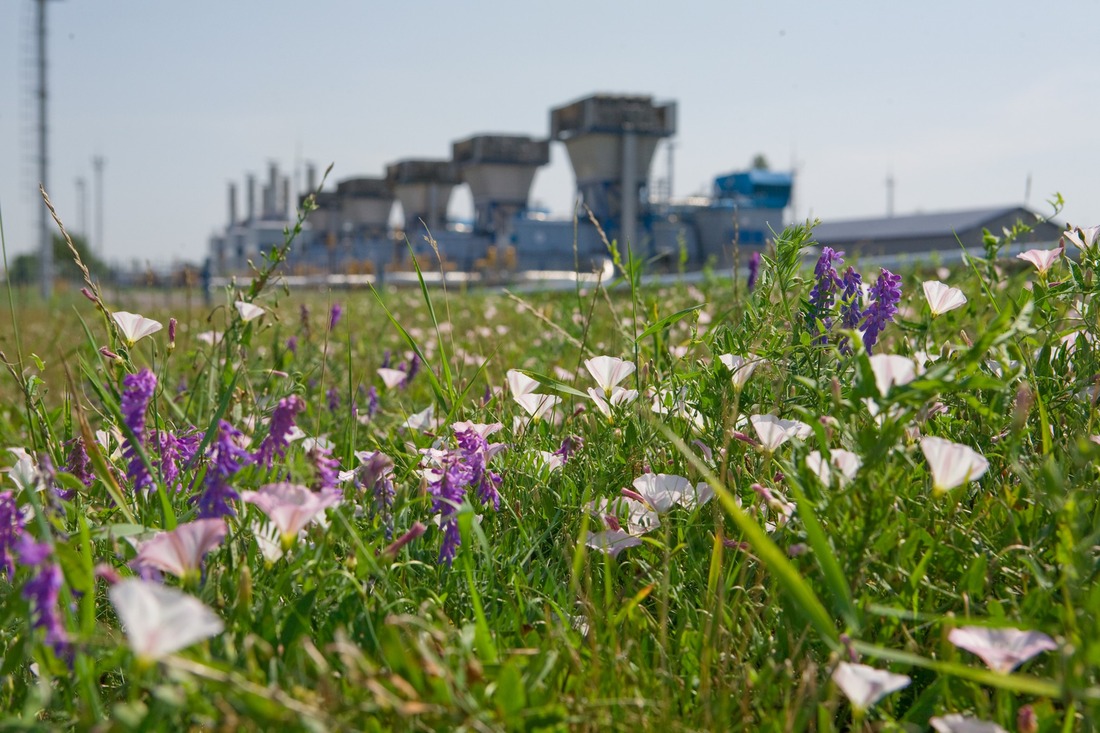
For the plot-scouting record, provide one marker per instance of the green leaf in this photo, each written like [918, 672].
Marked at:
[667, 321]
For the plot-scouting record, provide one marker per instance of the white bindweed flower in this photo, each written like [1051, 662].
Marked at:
[520, 384]
[864, 686]
[891, 369]
[942, 298]
[612, 541]
[134, 327]
[955, 723]
[1043, 259]
[423, 420]
[951, 464]
[159, 620]
[742, 367]
[774, 432]
[25, 471]
[619, 396]
[537, 405]
[1082, 237]
[249, 311]
[845, 462]
[180, 551]
[392, 377]
[1003, 650]
[608, 371]
[663, 491]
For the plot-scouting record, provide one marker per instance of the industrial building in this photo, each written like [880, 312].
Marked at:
[610, 140]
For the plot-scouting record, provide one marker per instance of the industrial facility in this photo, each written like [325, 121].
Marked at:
[611, 141]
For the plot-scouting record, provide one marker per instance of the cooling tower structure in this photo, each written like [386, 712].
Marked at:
[423, 187]
[365, 205]
[499, 170]
[611, 141]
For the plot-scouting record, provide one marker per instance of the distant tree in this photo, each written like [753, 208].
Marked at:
[24, 268]
[760, 162]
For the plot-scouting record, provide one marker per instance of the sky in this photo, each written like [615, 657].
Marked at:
[963, 104]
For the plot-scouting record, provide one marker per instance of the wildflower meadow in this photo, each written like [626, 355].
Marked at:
[826, 497]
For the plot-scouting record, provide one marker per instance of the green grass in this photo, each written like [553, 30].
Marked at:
[718, 619]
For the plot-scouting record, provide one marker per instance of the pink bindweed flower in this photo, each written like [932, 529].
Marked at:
[159, 620]
[135, 327]
[180, 551]
[942, 298]
[249, 311]
[742, 367]
[1001, 649]
[774, 432]
[1043, 259]
[846, 464]
[864, 686]
[951, 464]
[664, 491]
[290, 507]
[890, 370]
[956, 723]
[608, 371]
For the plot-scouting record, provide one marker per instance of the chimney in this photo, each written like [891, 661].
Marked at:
[311, 178]
[284, 202]
[232, 204]
[271, 199]
[251, 197]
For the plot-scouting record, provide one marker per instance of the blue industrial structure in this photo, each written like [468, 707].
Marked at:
[611, 141]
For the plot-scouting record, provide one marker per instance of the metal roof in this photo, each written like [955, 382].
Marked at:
[914, 225]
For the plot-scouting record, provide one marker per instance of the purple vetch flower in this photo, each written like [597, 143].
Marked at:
[385, 359]
[42, 592]
[175, 451]
[333, 398]
[450, 473]
[77, 462]
[292, 345]
[11, 527]
[138, 391]
[569, 445]
[851, 298]
[376, 476]
[303, 316]
[754, 270]
[334, 315]
[824, 291]
[413, 368]
[278, 436]
[372, 402]
[226, 458]
[326, 474]
[885, 295]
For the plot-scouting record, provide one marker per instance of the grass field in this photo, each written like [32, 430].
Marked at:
[804, 505]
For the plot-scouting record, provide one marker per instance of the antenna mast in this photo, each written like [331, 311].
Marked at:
[45, 245]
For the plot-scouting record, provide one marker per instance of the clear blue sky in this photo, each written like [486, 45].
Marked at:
[961, 101]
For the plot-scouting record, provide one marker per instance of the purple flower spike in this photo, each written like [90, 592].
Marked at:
[42, 592]
[334, 316]
[226, 458]
[754, 270]
[11, 527]
[824, 290]
[138, 391]
[77, 462]
[885, 294]
[278, 437]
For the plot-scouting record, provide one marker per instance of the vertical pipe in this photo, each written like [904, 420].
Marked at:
[629, 225]
[232, 205]
[97, 163]
[45, 244]
[251, 184]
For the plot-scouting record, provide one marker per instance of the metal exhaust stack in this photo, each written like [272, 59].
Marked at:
[499, 170]
[611, 140]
